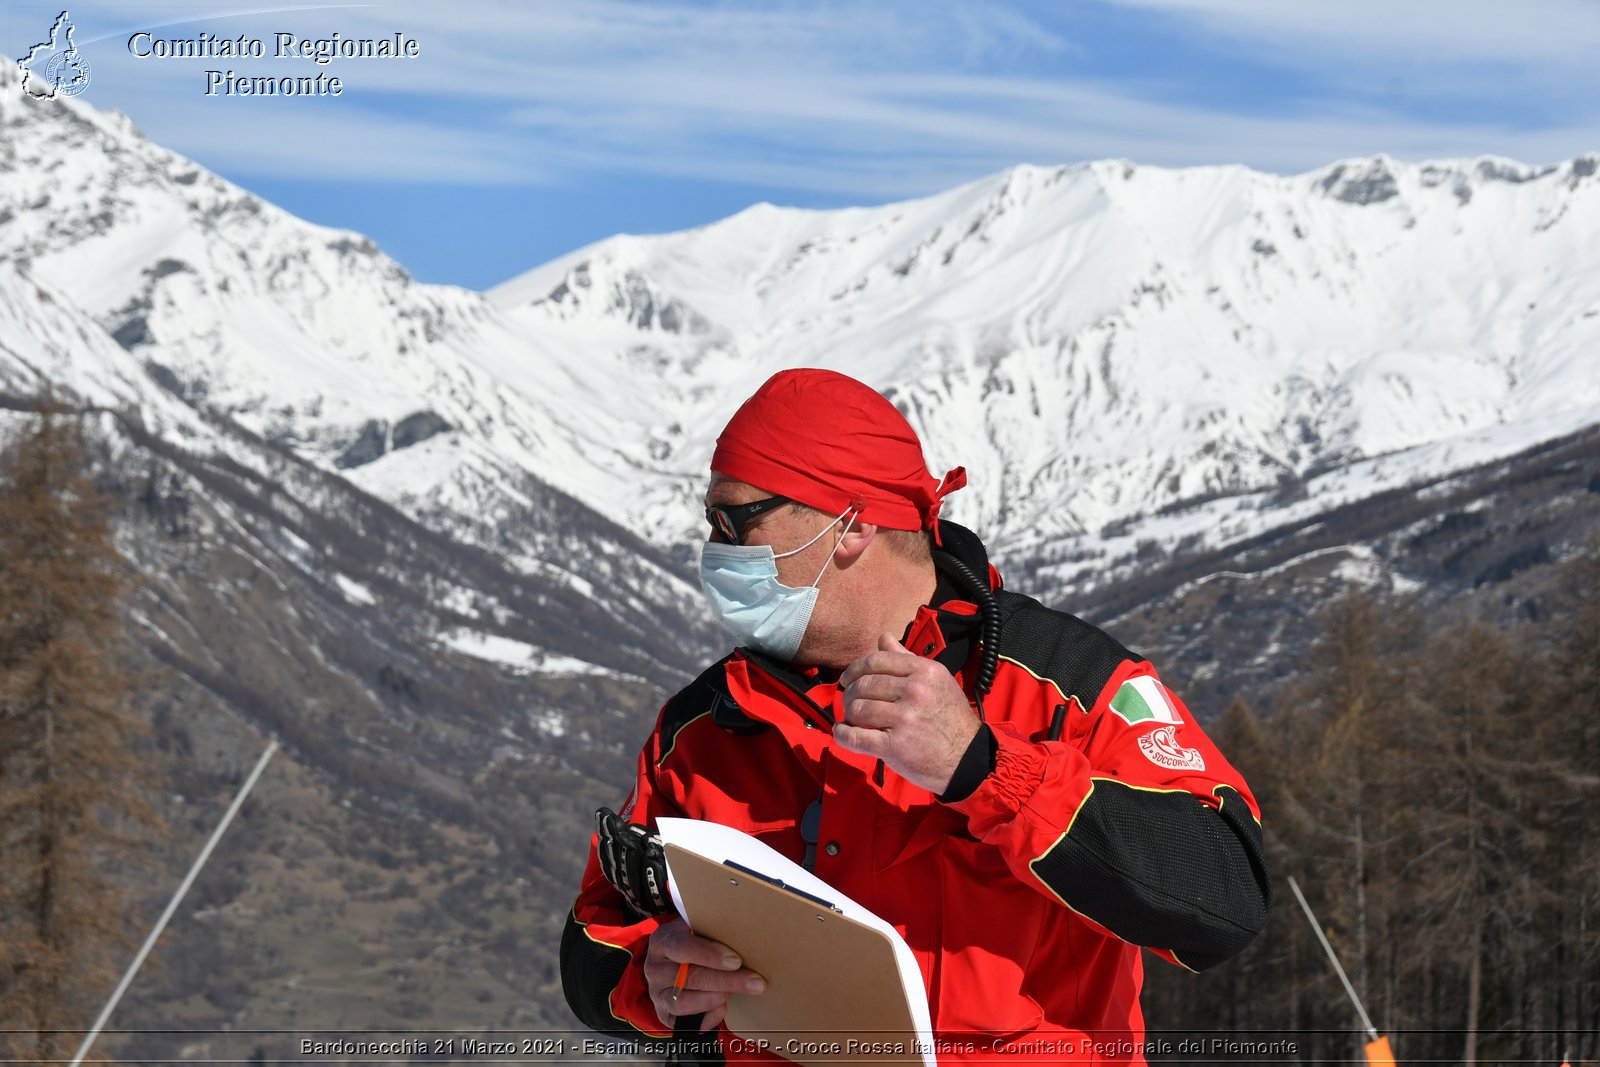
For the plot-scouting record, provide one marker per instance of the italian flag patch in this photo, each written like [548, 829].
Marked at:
[1142, 700]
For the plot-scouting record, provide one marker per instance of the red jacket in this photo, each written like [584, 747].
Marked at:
[1098, 817]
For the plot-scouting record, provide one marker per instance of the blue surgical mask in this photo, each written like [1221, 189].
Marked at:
[741, 581]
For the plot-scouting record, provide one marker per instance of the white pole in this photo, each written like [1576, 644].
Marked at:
[1348, 988]
[172, 905]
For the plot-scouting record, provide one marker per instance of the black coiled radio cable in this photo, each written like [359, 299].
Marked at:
[983, 596]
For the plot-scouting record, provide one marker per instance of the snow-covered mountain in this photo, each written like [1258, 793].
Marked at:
[108, 242]
[1102, 341]
[1097, 343]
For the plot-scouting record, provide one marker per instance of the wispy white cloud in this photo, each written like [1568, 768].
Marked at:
[852, 100]
[1528, 31]
[270, 138]
[922, 147]
[1533, 57]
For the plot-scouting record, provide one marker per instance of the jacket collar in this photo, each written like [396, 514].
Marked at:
[961, 543]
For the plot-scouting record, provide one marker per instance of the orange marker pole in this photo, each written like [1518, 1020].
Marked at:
[1379, 1053]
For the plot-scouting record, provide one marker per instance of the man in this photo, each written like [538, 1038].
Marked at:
[1010, 787]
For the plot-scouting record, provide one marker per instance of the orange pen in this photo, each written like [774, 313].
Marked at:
[683, 976]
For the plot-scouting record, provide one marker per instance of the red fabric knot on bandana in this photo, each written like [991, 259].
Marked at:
[954, 479]
[834, 443]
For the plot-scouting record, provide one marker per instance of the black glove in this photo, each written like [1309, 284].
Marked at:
[633, 863]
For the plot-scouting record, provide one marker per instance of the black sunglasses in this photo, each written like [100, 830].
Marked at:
[729, 520]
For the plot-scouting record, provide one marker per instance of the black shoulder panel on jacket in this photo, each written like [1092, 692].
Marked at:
[707, 693]
[1165, 870]
[589, 972]
[1063, 648]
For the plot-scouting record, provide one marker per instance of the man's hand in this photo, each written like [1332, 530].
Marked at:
[907, 711]
[714, 973]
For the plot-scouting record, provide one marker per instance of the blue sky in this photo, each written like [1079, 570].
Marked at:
[526, 129]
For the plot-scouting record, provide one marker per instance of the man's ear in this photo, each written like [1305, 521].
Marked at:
[854, 543]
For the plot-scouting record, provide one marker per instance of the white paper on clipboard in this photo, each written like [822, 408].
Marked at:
[724, 844]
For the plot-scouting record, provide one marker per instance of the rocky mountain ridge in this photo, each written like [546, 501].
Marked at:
[1103, 345]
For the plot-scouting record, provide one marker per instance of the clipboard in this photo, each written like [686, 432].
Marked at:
[834, 993]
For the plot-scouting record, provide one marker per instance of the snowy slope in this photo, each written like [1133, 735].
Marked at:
[178, 292]
[1099, 341]
[134, 280]
[1095, 342]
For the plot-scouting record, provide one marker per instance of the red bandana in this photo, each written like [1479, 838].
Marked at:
[831, 442]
